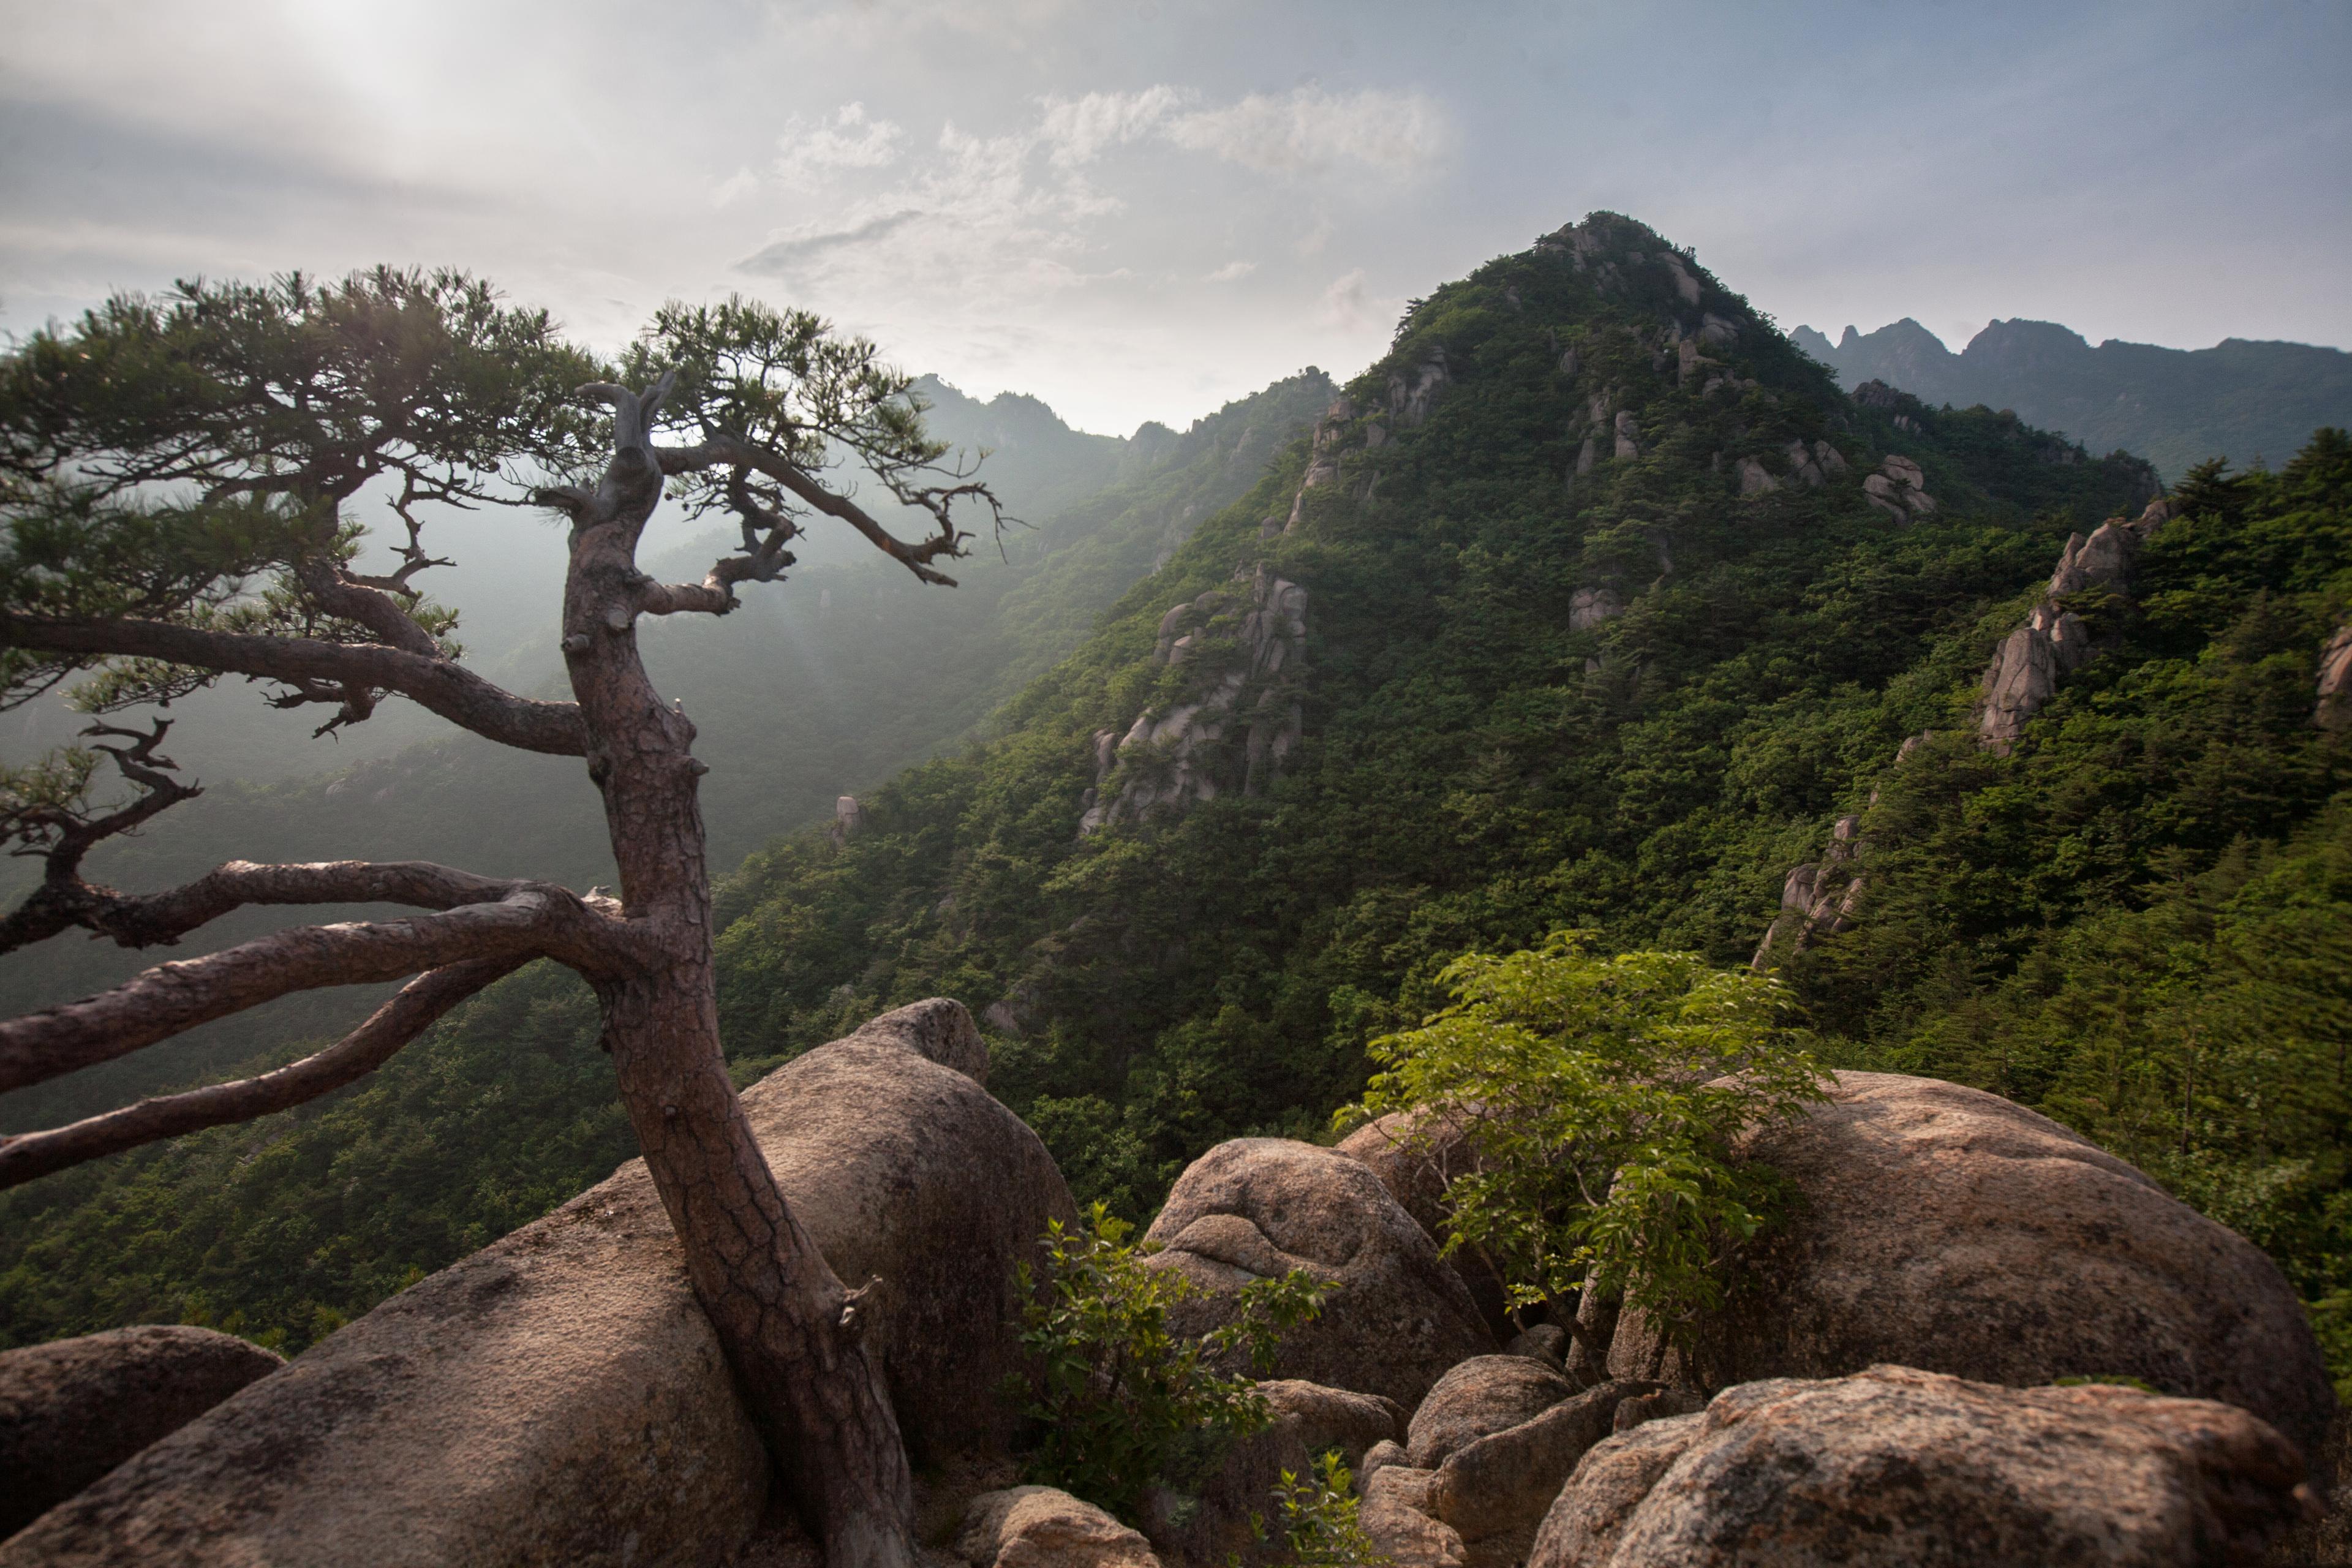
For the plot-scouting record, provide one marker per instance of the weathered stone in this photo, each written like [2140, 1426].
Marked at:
[848, 820]
[1223, 1523]
[1628, 436]
[1412, 394]
[1415, 1158]
[1946, 1228]
[1581, 1527]
[1495, 1491]
[1663, 1404]
[1755, 478]
[1396, 1518]
[1547, 1343]
[1590, 608]
[2025, 672]
[1895, 1467]
[1333, 1417]
[559, 1397]
[1378, 1457]
[71, 1410]
[1481, 1396]
[1257, 1207]
[2334, 708]
[1040, 1527]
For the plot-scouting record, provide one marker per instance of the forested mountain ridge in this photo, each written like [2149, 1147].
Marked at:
[1602, 604]
[828, 683]
[2174, 406]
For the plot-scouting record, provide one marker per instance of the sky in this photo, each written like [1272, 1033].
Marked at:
[1138, 210]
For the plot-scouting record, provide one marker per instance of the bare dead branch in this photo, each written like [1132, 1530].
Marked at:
[441, 685]
[408, 1015]
[534, 920]
[722, 450]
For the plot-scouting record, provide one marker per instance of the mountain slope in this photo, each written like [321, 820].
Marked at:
[1594, 603]
[809, 691]
[2174, 406]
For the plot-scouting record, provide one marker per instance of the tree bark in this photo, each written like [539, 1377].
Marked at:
[789, 1328]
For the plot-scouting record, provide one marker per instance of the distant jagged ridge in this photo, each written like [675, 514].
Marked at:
[2175, 407]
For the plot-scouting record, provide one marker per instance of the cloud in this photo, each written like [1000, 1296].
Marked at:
[1347, 304]
[1301, 131]
[849, 141]
[1231, 271]
[1307, 129]
[733, 188]
[1077, 130]
[791, 254]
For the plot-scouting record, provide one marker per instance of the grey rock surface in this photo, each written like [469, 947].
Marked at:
[560, 1398]
[1258, 1207]
[1894, 1468]
[1041, 1527]
[1333, 1417]
[1480, 1397]
[71, 1410]
[1495, 1491]
[1949, 1229]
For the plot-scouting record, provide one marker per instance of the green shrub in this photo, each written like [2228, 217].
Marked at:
[1322, 1525]
[1120, 1399]
[1600, 1100]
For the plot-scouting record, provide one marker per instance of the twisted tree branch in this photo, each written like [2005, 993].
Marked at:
[533, 920]
[419, 1003]
[723, 450]
[441, 685]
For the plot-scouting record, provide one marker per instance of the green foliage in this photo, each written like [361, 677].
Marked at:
[159, 455]
[1118, 1396]
[1594, 1096]
[1321, 1518]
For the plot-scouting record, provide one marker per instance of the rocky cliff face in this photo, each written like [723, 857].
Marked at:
[2055, 642]
[1244, 652]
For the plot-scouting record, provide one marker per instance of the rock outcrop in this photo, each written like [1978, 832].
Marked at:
[848, 820]
[1894, 1468]
[1415, 1160]
[2333, 710]
[1040, 1527]
[1900, 489]
[560, 1398]
[1248, 646]
[1494, 1492]
[1818, 899]
[1256, 1208]
[1946, 1228]
[2054, 642]
[1397, 1516]
[1588, 609]
[73, 1409]
[1481, 1396]
[1480, 1503]
[1323, 1418]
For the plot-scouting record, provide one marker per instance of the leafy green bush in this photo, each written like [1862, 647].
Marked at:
[1119, 1398]
[1594, 1095]
[1322, 1524]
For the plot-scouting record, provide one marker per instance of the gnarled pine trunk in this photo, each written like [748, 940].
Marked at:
[782, 1317]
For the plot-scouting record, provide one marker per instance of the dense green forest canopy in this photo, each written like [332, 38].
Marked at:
[1582, 646]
